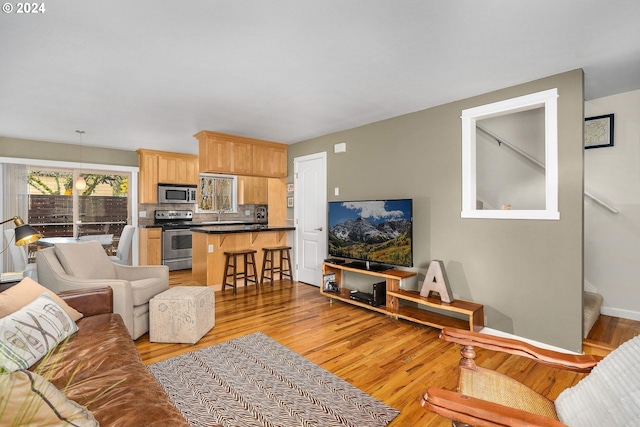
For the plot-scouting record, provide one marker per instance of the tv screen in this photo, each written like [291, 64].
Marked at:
[379, 231]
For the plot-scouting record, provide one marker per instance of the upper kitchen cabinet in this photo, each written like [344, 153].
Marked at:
[163, 166]
[178, 168]
[270, 160]
[222, 153]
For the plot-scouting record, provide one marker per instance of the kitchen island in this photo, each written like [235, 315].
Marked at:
[210, 242]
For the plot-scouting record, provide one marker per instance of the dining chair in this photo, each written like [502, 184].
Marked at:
[124, 245]
[18, 255]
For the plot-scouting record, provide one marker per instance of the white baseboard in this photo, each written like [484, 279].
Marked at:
[618, 312]
[497, 333]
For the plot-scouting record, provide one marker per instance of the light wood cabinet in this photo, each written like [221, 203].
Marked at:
[150, 246]
[147, 177]
[215, 154]
[222, 153]
[269, 160]
[242, 155]
[253, 190]
[178, 169]
[163, 166]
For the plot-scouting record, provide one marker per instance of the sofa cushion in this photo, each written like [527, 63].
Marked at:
[85, 260]
[17, 296]
[29, 399]
[31, 332]
[145, 289]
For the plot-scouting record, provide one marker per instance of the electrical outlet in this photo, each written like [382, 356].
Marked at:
[210, 249]
[247, 212]
[336, 191]
[142, 214]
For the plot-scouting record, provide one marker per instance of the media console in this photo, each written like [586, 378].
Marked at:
[408, 305]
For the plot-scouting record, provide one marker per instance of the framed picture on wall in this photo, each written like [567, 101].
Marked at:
[598, 131]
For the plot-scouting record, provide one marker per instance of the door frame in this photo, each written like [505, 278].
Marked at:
[297, 212]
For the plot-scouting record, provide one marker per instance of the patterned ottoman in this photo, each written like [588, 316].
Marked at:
[182, 314]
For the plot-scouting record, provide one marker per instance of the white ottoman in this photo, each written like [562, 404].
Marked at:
[182, 314]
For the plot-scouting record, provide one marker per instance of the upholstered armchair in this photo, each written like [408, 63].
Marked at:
[608, 396]
[68, 266]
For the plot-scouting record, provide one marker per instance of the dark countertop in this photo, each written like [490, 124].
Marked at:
[240, 228]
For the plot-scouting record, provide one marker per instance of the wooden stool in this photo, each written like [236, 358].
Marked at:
[231, 263]
[283, 268]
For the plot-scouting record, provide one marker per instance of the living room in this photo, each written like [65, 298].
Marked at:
[530, 275]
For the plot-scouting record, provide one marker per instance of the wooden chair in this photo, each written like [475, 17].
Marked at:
[609, 395]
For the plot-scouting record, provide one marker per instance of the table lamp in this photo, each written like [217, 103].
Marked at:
[25, 233]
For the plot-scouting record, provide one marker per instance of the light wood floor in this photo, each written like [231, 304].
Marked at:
[395, 361]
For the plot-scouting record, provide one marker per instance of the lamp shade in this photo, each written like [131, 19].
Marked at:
[81, 184]
[25, 233]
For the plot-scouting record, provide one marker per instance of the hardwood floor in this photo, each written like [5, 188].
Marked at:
[395, 361]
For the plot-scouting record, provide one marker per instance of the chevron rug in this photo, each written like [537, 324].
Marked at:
[255, 381]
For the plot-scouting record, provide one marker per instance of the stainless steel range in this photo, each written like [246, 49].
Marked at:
[176, 237]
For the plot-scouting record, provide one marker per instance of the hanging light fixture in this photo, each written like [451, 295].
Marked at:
[80, 183]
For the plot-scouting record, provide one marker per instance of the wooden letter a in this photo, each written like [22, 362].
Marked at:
[436, 281]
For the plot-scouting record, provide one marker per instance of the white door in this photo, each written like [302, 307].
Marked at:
[310, 216]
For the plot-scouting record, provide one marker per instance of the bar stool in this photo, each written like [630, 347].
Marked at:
[269, 266]
[248, 259]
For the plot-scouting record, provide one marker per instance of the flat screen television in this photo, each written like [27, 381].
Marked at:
[372, 231]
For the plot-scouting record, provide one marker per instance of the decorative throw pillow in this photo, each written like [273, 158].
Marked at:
[30, 400]
[17, 296]
[31, 332]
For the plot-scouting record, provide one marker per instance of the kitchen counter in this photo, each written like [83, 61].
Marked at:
[210, 242]
[240, 228]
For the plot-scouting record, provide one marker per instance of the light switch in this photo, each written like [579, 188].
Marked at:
[210, 249]
[336, 191]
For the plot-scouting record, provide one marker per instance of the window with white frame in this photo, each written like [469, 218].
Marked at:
[218, 193]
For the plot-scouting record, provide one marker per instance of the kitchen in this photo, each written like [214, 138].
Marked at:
[257, 170]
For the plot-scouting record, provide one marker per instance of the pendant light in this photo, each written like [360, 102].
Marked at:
[80, 183]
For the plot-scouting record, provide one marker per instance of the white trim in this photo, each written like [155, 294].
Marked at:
[497, 333]
[62, 164]
[469, 117]
[620, 312]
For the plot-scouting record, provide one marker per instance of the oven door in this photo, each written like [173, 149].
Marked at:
[176, 249]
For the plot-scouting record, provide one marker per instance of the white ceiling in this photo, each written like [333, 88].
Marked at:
[150, 73]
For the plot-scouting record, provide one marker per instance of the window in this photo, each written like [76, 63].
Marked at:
[55, 209]
[510, 158]
[218, 193]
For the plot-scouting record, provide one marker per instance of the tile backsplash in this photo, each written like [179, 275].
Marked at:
[245, 212]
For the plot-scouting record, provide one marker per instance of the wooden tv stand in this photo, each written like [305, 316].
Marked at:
[409, 305]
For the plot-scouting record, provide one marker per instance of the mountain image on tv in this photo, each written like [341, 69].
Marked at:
[379, 231]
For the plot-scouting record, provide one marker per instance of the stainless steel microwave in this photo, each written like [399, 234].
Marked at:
[177, 193]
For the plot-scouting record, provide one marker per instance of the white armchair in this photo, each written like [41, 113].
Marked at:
[85, 264]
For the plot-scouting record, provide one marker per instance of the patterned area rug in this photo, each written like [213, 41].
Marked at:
[255, 381]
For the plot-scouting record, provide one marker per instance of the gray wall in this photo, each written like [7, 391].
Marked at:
[30, 149]
[527, 273]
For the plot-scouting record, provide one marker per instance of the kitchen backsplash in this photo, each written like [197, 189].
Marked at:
[245, 213]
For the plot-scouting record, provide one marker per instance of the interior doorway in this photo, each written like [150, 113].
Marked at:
[310, 216]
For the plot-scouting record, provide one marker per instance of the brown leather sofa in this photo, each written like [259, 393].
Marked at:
[100, 368]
